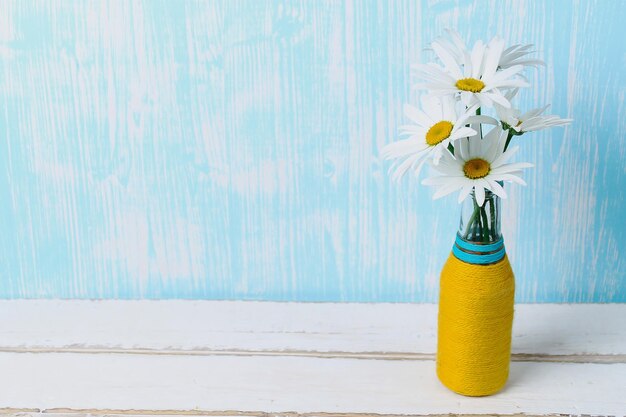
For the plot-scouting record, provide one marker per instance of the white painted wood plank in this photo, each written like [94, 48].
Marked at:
[281, 384]
[554, 329]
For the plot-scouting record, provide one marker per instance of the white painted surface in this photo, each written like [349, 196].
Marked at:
[213, 357]
[554, 329]
[281, 384]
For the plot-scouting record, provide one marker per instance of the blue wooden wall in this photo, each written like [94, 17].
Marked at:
[231, 150]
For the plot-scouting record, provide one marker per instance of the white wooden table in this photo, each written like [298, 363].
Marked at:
[253, 358]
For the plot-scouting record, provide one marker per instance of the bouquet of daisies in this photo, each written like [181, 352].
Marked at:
[466, 122]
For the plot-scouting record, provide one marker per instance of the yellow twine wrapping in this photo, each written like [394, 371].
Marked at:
[475, 321]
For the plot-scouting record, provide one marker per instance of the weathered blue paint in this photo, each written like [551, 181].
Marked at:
[231, 150]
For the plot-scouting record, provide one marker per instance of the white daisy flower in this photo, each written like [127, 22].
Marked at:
[513, 55]
[430, 133]
[528, 122]
[477, 80]
[531, 120]
[477, 165]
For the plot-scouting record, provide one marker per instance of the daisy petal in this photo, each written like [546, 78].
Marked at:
[463, 132]
[512, 178]
[497, 189]
[448, 60]
[503, 158]
[418, 116]
[447, 189]
[482, 119]
[479, 192]
[467, 189]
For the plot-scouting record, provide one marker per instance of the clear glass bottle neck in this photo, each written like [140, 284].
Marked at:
[480, 224]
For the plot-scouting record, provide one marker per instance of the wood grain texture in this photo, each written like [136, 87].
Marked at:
[557, 332]
[231, 150]
[295, 384]
[64, 412]
[297, 359]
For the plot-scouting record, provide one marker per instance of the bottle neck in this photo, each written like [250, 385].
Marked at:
[480, 224]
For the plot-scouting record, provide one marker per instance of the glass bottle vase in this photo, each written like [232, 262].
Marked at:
[480, 224]
[477, 288]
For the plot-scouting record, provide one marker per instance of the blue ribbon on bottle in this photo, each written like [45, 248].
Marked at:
[477, 253]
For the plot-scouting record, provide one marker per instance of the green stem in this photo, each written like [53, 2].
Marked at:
[508, 138]
[471, 221]
[493, 218]
[480, 126]
[485, 226]
[479, 227]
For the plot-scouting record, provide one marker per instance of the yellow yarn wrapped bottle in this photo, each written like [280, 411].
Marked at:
[477, 289]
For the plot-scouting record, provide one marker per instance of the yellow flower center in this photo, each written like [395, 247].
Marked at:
[438, 132]
[476, 168]
[470, 84]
